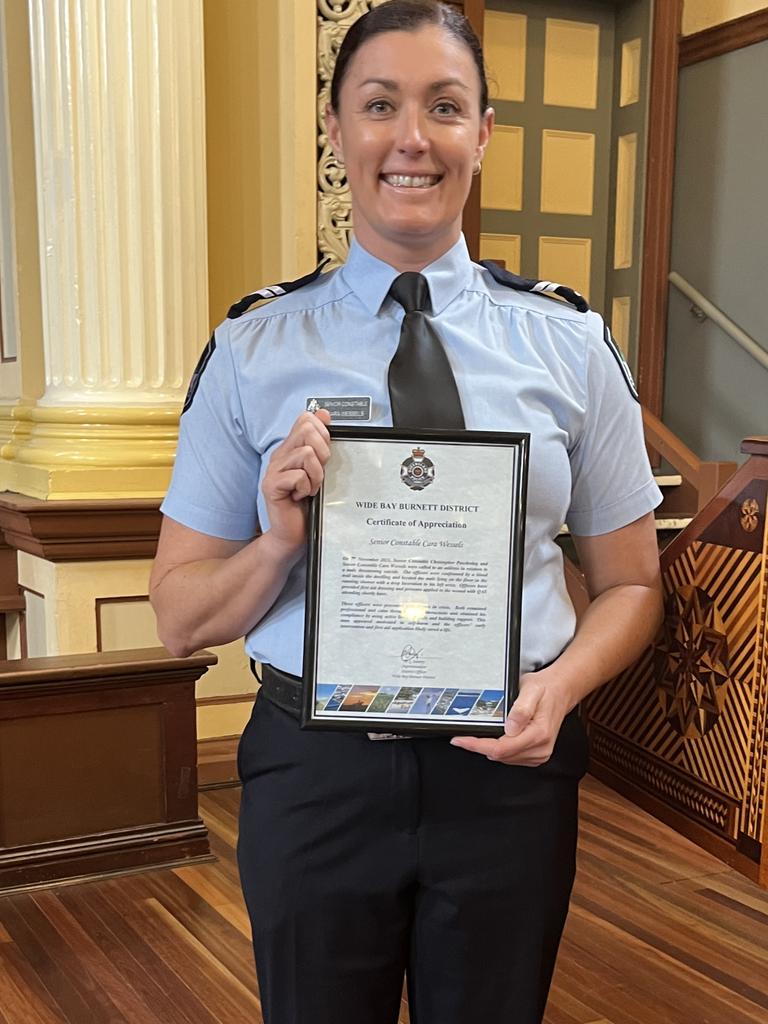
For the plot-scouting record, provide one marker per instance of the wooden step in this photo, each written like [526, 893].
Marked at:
[667, 480]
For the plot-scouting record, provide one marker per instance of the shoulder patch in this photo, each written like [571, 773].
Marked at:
[273, 291]
[201, 365]
[619, 357]
[528, 284]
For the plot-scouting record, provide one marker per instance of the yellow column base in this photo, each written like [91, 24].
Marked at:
[53, 452]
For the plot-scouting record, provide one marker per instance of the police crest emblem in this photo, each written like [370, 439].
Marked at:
[417, 472]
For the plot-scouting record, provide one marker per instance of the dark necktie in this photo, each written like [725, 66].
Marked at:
[422, 388]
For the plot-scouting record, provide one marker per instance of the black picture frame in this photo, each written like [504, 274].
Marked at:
[466, 721]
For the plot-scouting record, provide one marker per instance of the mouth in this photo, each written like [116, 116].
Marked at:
[411, 180]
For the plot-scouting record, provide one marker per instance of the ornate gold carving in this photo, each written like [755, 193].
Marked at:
[334, 206]
[748, 516]
[692, 665]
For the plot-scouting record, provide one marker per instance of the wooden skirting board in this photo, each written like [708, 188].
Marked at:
[217, 762]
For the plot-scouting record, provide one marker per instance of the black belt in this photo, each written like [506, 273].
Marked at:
[281, 688]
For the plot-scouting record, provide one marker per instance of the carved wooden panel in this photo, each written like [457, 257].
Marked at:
[686, 724]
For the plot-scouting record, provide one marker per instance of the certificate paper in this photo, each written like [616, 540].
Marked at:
[415, 567]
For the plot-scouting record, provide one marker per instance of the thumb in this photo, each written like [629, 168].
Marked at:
[521, 712]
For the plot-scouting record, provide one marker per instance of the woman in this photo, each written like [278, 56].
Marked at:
[451, 860]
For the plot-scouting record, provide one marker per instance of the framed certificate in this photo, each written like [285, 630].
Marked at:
[414, 581]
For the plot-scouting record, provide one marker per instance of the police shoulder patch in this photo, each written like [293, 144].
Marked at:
[528, 284]
[201, 365]
[618, 355]
[273, 291]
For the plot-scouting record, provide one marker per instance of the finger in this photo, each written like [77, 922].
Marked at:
[292, 483]
[477, 745]
[314, 470]
[523, 710]
[517, 720]
[301, 458]
[306, 437]
[495, 749]
[312, 423]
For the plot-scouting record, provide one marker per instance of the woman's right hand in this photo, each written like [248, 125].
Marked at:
[294, 474]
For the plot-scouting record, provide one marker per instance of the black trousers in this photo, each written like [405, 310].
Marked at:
[363, 861]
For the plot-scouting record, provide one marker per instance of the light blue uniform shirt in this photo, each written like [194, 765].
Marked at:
[522, 362]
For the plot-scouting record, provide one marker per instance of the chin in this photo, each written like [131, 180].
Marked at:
[417, 228]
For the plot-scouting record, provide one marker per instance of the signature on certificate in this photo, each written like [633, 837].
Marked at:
[410, 653]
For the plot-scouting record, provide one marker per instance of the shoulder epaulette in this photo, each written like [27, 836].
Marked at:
[618, 355]
[528, 284]
[273, 291]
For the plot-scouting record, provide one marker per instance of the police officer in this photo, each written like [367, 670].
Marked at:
[449, 860]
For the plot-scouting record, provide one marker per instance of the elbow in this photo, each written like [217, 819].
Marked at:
[177, 647]
[170, 636]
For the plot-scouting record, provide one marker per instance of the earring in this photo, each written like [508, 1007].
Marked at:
[477, 168]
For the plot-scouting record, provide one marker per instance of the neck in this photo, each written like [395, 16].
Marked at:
[412, 255]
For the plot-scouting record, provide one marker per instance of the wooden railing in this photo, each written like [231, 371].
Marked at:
[701, 479]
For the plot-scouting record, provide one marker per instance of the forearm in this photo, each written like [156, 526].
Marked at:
[213, 601]
[614, 630]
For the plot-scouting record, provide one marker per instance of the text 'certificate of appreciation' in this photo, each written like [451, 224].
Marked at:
[415, 572]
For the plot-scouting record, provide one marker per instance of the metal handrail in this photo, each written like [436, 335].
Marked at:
[718, 317]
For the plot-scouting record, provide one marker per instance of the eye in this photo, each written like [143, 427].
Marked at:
[446, 108]
[378, 107]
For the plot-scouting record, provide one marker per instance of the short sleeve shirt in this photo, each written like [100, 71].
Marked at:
[522, 362]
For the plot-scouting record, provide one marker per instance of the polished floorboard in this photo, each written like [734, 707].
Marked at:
[659, 933]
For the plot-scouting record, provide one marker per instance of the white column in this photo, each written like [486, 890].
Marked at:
[119, 125]
[120, 150]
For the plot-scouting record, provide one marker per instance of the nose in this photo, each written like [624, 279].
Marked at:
[412, 132]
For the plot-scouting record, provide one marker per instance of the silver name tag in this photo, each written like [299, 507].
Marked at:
[343, 408]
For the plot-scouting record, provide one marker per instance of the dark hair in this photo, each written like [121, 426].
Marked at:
[407, 16]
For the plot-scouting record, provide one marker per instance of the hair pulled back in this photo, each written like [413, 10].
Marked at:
[407, 16]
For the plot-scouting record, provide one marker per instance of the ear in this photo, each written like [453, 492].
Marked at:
[333, 131]
[486, 129]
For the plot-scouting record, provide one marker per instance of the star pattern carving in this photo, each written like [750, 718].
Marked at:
[692, 663]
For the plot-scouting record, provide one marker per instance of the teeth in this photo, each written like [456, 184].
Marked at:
[409, 181]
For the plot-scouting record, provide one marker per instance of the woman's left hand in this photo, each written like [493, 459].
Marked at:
[532, 724]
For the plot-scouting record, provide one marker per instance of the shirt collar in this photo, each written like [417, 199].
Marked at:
[371, 278]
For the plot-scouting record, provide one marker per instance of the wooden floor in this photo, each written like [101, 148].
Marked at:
[659, 933]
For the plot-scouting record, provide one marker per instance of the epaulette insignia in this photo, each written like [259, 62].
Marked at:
[528, 284]
[198, 372]
[273, 291]
[618, 355]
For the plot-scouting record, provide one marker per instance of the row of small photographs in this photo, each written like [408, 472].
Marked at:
[409, 700]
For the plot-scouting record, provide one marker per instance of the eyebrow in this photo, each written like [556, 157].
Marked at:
[388, 83]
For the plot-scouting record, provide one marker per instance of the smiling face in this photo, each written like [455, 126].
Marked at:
[410, 133]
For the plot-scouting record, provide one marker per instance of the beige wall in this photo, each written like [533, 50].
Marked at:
[19, 260]
[233, 152]
[261, 144]
[701, 14]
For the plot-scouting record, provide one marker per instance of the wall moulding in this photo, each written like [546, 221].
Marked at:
[87, 452]
[81, 531]
[720, 39]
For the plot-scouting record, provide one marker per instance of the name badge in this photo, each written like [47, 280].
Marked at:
[356, 408]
